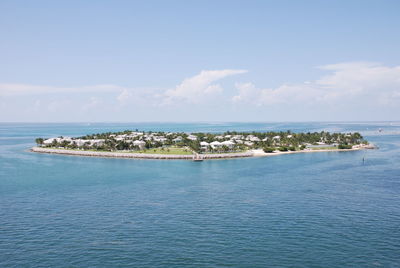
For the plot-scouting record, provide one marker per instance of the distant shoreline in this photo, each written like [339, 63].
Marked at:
[250, 153]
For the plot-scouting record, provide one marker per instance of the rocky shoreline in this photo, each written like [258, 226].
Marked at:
[138, 155]
[252, 153]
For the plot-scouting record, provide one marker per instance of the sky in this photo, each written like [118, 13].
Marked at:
[191, 61]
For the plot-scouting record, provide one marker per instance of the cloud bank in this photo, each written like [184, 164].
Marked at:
[192, 90]
[344, 89]
[346, 81]
[25, 89]
[195, 88]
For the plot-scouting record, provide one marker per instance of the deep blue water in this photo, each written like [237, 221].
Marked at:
[300, 210]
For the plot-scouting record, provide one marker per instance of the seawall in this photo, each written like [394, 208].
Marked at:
[137, 155]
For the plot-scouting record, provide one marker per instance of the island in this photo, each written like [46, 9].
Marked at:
[199, 146]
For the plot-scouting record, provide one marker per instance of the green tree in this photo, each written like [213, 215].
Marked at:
[344, 146]
[268, 149]
[39, 141]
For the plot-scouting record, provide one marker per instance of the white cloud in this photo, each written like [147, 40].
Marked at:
[190, 90]
[59, 105]
[344, 87]
[247, 92]
[24, 89]
[286, 93]
[92, 103]
[195, 88]
[363, 80]
[139, 96]
[37, 104]
[124, 96]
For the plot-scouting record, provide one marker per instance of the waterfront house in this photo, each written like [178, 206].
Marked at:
[139, 143]
[49, 141]
[229, 144]
[204, 145]
[192, 137]
[215, 144]
[80, 142]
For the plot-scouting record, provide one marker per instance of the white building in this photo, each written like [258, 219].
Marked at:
[229, 144]
[192, 137]
[160, 139]
[177, 139]
[97, 142]
[80, 142]
[140, 144]
[254, 138]
[249, 143]
[50, 141]
[135, 134]
[215, 144]
[204, 145]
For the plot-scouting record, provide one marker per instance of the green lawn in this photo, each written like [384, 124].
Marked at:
[234, 152]
[168, 150]
[324, 148]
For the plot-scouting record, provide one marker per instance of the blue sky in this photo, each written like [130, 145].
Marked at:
[132, 61]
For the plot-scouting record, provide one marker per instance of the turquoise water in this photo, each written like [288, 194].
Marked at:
[301, 210]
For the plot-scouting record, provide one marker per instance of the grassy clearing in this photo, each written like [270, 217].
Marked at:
[325, 148]
[168, 150]
[234, 152]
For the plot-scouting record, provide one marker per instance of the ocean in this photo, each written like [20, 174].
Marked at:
[327, 209]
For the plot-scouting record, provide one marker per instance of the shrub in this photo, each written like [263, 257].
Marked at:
[268, 149]
[344, 146]
[292, 148]
[283, 149]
